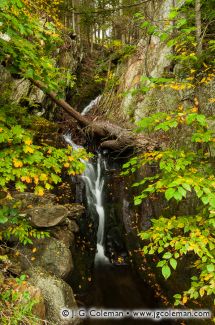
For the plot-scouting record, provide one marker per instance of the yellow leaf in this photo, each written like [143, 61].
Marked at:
[28, 142]
[194, 110]
[201, 292]
[184, 299]
[1, 129]
[28, 149]
[203, 80]
[196, 102]
[40, 191]
[43, 177]
[66, 165]
[33, 258]
[48, 186]
[34, 250]
[26, 179]
[211, 100]
[36, 179]
[17, 163]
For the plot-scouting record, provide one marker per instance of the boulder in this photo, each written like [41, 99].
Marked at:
[28, 199]
[65, 232]
[57, 295]
[39, 308]
[47, 216]
[75, 210]
[48, 253]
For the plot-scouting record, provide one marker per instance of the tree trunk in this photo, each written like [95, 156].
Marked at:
[112, 136]
[198, 26]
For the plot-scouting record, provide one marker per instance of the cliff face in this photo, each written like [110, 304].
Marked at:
[152, 59]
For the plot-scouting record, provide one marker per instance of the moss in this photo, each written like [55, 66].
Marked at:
[40, 124]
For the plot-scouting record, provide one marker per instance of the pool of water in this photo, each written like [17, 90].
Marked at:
[117, 287]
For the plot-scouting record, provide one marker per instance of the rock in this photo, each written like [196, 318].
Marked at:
[20, 89]
[36, 95]
[65, 232]
[73, 226]
[57, 295]
[75, 210]
[49, 253]
[35, 294]
[39, 308]
[28, 199]
[46, 216]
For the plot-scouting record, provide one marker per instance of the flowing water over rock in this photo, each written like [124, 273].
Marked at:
[91, 105]
[115, 284]
[94, 182]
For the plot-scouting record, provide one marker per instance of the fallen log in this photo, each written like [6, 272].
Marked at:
[112, 135]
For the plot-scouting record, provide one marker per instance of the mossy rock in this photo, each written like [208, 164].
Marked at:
[40, 124]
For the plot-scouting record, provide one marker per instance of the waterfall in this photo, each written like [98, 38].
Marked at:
[94, 183]
[91, 105]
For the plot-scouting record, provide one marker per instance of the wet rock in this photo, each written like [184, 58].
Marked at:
[48, 215]
[49, 253]
[57, 295]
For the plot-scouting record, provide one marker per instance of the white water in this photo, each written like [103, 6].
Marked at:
[91, 105]
[94, 182]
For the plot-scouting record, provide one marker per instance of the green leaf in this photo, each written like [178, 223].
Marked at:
[166, 271]
[176, 255]
[173, 14]
[23, 277]
[173, 263]
[3, 219]
[177, 296]
[177, 196]
[169, 193]
[205, 199]
[182, 191]
[167, 255]
[212, 202]
[144, 235]
[161, 263]
[210, 268]
[160, 249]
[145, 24]
[137, 201]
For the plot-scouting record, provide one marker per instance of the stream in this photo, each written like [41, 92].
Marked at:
[115, 283]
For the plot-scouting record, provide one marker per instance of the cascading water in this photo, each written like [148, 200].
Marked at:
[91, 105]
[115, 285]
[94, 182]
